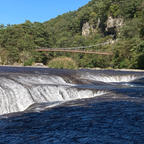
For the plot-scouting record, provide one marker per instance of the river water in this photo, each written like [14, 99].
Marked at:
[50, 106]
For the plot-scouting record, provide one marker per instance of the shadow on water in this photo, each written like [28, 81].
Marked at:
[134, 92]
[87, 121]
[116, 117]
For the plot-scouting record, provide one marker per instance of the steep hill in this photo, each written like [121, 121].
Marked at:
[118, 21]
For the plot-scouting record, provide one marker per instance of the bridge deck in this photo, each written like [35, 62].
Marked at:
[74, 51]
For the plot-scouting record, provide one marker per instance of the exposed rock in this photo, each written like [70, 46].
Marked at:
[39, 64]
[87, 29]
[98, 23]
[114, 25]
[0, 60]
[111, 41]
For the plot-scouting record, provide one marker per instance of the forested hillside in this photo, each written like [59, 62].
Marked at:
[121, 22]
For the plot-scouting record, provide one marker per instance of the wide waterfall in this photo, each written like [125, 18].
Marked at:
[20, 88]
[51, 106]
[18, 92]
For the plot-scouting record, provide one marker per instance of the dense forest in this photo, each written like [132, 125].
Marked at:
[119, 22]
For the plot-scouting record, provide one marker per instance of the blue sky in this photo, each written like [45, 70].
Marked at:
[17, 11]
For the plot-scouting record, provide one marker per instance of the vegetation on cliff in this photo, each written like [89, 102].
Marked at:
[99, 21]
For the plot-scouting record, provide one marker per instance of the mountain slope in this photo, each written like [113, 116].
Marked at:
[117, 21]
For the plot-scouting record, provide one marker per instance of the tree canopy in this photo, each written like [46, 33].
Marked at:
[18, 42]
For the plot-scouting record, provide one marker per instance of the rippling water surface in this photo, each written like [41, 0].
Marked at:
[50, 106]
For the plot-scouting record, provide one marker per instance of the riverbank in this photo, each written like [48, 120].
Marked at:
[39, 65]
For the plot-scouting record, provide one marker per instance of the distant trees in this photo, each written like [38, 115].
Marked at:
[18, 42]
[21, 39]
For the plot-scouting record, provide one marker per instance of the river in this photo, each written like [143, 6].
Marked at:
[51, 106]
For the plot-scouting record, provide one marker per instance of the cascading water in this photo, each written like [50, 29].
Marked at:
[50, 106]
[18, 91]
[110, 76]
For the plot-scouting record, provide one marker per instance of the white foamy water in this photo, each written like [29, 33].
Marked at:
[22, 88]
[20, 92]
[108, 78]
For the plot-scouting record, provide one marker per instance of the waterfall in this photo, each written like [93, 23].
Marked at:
[20, 88]
[108, 79]
[17, 93]
[108, 76]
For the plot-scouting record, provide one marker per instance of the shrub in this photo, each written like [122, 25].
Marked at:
[62, 63]
[29, 62]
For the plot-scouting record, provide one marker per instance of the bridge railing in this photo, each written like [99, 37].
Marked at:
[80, 49]
[75, 48]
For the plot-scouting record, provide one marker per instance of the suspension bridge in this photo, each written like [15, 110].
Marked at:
[82, 49]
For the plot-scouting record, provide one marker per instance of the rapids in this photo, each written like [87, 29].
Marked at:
[51, 106]
[23, 87]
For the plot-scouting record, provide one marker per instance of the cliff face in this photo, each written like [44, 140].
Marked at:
[114, 22]
[113, 25]
[87, 29]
